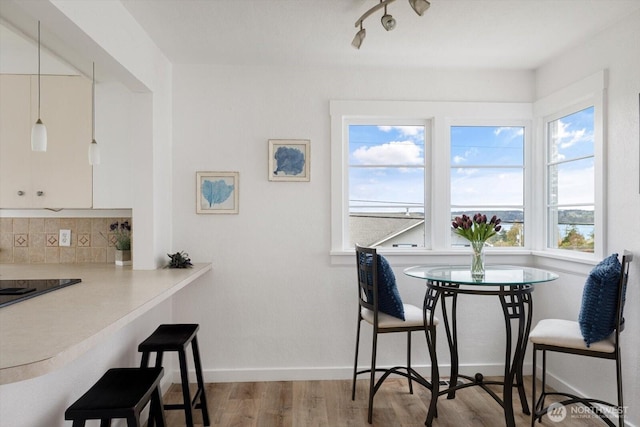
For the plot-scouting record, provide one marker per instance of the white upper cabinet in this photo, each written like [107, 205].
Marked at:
[61, 177]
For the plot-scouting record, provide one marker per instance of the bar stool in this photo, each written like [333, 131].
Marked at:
[120, 393]
[176, 337]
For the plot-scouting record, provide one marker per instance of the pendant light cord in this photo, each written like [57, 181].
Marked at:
[38, 70]
[93, 103]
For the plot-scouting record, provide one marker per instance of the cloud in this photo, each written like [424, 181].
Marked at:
[459, 159]
[390, 153]
[513, 131]
[566, 138]
[404, 130]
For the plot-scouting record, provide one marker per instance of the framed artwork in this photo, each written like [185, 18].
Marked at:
[289, 160]
[217, 192]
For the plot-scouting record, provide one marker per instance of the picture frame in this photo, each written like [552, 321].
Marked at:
[217, 192]
[289, 160]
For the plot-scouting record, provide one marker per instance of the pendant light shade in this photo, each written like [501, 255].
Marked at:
[39, 131]
[39, 136]
[94, 151]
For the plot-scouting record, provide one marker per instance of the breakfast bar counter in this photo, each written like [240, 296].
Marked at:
[44, 333]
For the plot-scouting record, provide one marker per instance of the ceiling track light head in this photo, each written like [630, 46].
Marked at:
[359, 38]
[388, 21]
[419, 6]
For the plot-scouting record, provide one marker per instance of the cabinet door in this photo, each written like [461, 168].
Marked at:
[15, 141]
[62, 174]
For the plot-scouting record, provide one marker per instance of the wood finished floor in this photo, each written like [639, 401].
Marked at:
[329, 404]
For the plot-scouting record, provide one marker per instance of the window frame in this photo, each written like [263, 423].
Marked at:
[589, 92]
[440, 116]
[426, 123]
[526, 168]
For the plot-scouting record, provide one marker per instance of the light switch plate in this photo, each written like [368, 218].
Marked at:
[65, 238]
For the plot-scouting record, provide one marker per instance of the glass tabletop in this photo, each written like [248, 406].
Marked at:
[495, 275]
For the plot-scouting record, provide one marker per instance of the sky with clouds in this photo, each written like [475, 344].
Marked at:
[387, 163]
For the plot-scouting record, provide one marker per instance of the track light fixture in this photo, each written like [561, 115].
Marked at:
[388, 21]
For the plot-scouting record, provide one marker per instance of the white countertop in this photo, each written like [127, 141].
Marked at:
[42, 334]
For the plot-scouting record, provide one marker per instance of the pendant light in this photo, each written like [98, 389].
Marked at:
[39, 131]
[94, 151]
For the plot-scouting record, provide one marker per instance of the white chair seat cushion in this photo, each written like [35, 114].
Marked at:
[412, 315]
[566, 333]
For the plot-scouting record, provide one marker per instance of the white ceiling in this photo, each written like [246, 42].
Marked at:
[505, 34]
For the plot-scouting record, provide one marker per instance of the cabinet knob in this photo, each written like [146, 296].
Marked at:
[40, 193]
[20, 193]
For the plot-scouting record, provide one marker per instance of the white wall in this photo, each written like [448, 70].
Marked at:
[277, 308]
[616, 50]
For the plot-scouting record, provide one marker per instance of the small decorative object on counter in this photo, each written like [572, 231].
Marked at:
[179, 260]
[123, 257]
[122, 233]
[477, 231]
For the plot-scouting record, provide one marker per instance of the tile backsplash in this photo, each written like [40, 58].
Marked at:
[36, 240]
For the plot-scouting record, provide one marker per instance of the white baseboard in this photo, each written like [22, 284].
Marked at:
[317, 374]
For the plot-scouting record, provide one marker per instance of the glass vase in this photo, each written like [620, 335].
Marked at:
[477, 260]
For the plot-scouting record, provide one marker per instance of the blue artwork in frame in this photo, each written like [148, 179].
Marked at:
[217, 192]
[289, 160]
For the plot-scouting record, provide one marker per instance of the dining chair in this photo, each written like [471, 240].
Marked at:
[380, 305]
[595, 334]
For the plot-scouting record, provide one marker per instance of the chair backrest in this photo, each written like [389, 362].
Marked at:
[627, 257]
[367, 267]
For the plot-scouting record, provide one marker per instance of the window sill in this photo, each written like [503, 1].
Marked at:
[557, 261]
[410, 257]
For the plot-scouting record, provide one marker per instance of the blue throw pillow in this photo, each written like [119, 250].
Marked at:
[388, 295]
[599, 300]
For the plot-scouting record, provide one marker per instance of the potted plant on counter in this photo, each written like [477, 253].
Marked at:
[179, 260]
[122, 233]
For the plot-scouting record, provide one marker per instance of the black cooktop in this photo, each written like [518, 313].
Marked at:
[12, 291]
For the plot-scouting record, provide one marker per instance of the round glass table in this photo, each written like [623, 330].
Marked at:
[513, 285]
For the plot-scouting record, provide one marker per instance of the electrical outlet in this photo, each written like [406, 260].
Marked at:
[65, 238]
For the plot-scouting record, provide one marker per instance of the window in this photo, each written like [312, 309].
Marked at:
[487, 176]
[391, 170]
[571, 181]
[386, 184]
[572, 126]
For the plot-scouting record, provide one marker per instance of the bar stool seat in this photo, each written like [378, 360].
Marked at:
[176, 338]
[120, 393]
